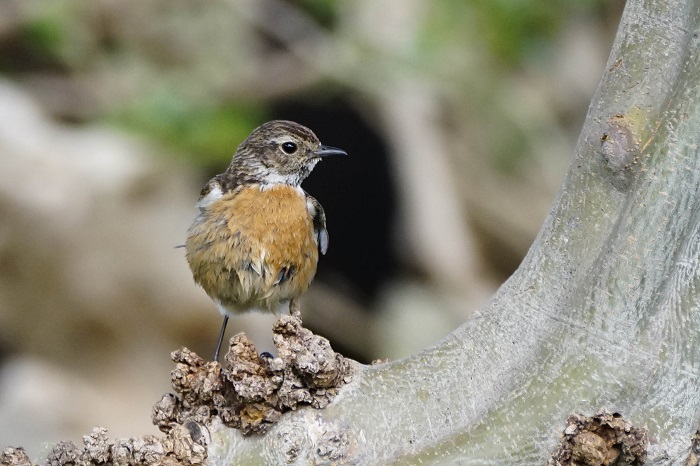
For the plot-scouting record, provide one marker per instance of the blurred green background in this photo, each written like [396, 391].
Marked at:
[459, 117]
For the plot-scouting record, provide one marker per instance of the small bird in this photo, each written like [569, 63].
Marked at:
[254, 244]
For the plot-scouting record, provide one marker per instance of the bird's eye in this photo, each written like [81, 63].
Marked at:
[289, 147]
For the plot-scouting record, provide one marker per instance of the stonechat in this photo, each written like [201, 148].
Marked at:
[254, 244]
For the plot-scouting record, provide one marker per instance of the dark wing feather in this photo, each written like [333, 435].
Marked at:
[319, 219]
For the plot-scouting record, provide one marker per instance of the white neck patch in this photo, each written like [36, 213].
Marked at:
[276, 178]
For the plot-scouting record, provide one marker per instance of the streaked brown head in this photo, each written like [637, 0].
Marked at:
[278, 151]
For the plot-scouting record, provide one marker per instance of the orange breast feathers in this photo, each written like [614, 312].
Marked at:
[253, 248]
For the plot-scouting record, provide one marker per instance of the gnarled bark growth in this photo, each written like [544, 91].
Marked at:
[252, 391]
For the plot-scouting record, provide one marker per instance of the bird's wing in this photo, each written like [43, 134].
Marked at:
[319, 219]
[211, 192]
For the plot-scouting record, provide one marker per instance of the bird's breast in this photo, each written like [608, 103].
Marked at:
[276, 217]
[254, 246]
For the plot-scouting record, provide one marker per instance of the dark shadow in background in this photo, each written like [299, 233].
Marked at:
[359, 197]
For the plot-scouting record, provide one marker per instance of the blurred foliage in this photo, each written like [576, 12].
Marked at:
[58, 34]
[465, 43]
[188, 126]
[513, 28]
[507, 153]
[45, 37]
[323, 11]
[509, 30]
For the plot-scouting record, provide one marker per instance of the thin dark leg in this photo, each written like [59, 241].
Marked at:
[221, 338]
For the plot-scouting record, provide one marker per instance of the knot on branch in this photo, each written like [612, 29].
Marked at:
[604, 439]
[252, 391]
[620, 147]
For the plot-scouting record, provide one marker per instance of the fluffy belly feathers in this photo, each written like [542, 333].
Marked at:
[254, 249]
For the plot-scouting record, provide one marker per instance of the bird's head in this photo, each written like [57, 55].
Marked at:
[279, 151]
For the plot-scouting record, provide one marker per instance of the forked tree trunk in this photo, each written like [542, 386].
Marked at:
[603, 312]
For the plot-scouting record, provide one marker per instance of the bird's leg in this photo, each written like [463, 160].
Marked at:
[294, 309]
[221, 338]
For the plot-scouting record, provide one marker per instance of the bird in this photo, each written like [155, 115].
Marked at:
[254, 243]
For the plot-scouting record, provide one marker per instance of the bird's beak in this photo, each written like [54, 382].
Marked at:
[325, 151]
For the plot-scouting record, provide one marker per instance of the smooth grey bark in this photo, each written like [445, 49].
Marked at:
[603, 312]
